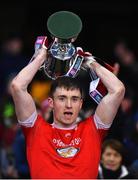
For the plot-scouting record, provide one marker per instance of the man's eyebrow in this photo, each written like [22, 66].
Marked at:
[61, 96]
[76, 96]
[71, 96]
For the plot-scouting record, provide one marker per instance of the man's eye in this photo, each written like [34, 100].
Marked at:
[61, 98]
[75, 99]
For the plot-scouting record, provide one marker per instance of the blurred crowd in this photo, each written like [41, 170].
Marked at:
[120, 149]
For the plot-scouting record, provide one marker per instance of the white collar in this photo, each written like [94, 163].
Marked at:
[73, 126]
[124, 171]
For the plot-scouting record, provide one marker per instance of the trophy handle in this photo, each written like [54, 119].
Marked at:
[97, 89]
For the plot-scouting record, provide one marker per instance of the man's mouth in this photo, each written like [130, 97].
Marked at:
[68, 114]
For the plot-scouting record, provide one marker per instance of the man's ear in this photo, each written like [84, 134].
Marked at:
[50, 102]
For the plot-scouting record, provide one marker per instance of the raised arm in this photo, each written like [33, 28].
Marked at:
[108, 107]
[24, 104]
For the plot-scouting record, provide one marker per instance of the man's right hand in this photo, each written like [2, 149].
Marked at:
[41, 45]
[41, 42]
[41, 53]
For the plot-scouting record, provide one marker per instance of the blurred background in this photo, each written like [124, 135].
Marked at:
[109, 32]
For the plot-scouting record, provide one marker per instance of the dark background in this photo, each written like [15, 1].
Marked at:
[104, 22]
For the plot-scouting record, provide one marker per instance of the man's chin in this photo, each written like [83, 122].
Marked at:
[68, 122]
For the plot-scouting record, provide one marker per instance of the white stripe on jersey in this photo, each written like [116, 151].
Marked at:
[99, 124]
[30, 121]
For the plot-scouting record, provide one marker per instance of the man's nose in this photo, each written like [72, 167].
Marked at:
[68, 103]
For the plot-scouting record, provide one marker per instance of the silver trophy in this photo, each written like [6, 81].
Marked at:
[63, 58]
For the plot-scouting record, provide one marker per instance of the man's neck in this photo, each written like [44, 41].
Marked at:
[64, 126]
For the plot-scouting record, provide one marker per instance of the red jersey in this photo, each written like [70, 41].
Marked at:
[65, 154]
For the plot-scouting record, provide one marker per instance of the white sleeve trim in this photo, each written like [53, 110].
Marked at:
[99, 124]
[30, 121]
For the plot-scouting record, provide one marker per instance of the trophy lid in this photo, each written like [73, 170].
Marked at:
[64, 25]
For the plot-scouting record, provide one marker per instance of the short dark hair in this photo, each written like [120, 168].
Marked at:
[114, 144]
[67, 83]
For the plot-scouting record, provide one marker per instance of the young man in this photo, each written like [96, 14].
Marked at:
[65, 149]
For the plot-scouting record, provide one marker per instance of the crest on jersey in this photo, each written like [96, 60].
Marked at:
[67, 152]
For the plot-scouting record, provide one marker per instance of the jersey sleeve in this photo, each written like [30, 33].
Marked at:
[31, 131]
[30, 121]
[102, 128]
[99, 124]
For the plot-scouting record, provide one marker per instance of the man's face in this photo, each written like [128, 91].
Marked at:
[111, 159]
[66, 105]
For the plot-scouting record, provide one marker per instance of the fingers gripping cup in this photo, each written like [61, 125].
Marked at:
[64, 27]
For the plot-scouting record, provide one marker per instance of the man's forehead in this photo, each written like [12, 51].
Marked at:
[65, 91]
